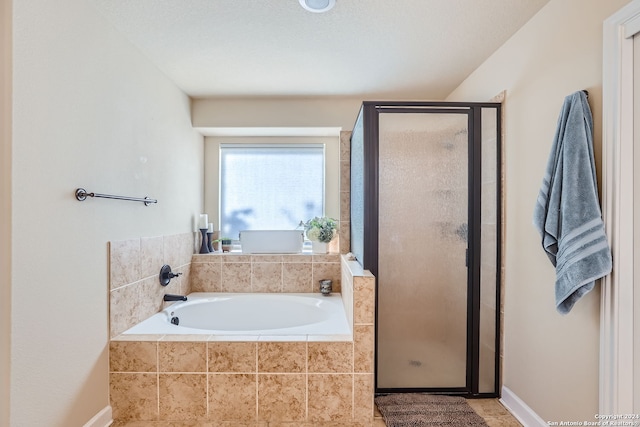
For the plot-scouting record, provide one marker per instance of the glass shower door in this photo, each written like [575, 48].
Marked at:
[422, 251]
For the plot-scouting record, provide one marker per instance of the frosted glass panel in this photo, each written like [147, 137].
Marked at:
[488, 251]
[357, 189]
[422, 275]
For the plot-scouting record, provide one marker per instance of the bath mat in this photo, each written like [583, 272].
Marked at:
[427, 410]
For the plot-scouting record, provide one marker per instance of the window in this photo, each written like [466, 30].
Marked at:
[269, 186]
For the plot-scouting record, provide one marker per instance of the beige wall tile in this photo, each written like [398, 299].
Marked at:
[124, 308]
[235, 257]
[345, 211]
[132, 356]
[345, 181]
[345, 145]
[182, 356]
[182, 396]
[151, 255]
[363, 340]
[296, 277]
[330, 397]
[292, 424]
[236, 276]
[232, 397]
[124, 262]
[326, 357]
[236, 424]
[364, 300]
[326, 270]
[206, 277]
[133, 396]
[345, 238]
[150, 296]
[232, 356]
[282, 357]
[266, 277]
[282, 397]
[135, 264]
[290, 258]
[178, 249]
[363, 405]
[346, 290]
[210, 257]
[318, 258]
[184, 279]
[266, 258]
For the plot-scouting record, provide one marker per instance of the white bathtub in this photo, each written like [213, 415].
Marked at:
[229, 314]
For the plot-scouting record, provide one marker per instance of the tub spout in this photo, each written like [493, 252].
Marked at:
[172, 297]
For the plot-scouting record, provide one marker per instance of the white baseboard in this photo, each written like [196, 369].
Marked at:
[101, 419]
[520, 410]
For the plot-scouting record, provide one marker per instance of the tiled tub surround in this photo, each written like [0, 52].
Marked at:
[235, 272]
[135, 292]
[248, 381]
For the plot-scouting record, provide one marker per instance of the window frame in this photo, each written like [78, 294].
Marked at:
[238, 148]
[212, 168]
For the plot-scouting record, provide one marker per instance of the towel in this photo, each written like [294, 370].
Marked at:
[567, 213]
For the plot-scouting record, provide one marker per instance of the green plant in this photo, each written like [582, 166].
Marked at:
[224, 240]
[321, 229]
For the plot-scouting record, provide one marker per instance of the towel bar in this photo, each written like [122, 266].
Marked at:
[82, 194]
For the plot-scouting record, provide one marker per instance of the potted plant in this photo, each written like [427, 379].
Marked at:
[225, 242]
[320, 230]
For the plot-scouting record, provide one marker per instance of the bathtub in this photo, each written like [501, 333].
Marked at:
[238, 314]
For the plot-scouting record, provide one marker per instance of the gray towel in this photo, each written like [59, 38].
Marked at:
[567, 214]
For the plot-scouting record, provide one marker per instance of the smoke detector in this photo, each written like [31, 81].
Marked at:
[317, 6]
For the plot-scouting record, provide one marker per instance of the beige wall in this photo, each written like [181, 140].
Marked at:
[88, 111]
[318, 112]
[550, 361]
[5, 208]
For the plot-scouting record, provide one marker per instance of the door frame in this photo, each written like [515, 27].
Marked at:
[617, 302]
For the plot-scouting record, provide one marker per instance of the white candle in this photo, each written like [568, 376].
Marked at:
[210, 227]
[204, 221]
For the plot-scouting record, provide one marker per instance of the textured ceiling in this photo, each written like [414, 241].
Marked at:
[370, 48]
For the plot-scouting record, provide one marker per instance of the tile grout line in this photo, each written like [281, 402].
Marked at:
[257, 412]
[306, 382]
[157, 380]
[206, 371]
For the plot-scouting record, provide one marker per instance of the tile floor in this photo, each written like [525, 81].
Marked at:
[490, 409]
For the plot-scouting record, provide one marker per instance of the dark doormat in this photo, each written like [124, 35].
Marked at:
[426, 410]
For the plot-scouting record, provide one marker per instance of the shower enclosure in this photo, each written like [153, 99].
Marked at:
[425, 220]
